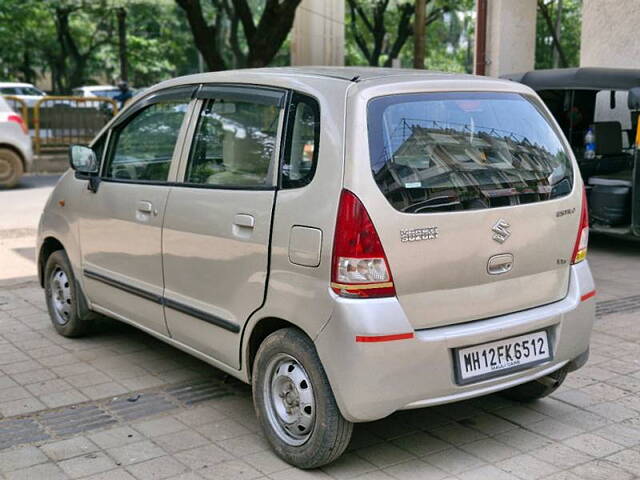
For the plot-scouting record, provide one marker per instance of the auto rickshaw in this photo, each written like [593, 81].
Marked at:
[597, 109]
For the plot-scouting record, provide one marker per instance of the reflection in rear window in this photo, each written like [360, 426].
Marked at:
[437, 152]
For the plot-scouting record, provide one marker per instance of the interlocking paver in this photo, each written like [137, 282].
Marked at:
[181, 440]
[70, 448]
[44, 471]
[156, 469]
[527, 467]
[135, 452]
[601, 470]
[20, 458]
[87, 465]
[593, 445]
[454, 460]
[588, 429]
[231, 470]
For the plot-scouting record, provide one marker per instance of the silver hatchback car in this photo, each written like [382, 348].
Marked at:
[351, 242]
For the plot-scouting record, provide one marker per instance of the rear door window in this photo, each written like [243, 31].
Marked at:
[234, 144]
[436, 152]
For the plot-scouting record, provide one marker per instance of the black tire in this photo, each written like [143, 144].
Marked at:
[330, 434]
[62, 296]
[536, 389]
[11, 168]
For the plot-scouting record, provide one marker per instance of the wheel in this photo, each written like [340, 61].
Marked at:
[294, 402]
[61, 296]
[11, 168]
[539, 388]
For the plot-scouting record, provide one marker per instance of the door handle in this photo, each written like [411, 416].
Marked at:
[146, 207]
[244, 220]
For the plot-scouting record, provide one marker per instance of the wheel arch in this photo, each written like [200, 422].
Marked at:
[17, 151]
[49, 245]
[256, 335]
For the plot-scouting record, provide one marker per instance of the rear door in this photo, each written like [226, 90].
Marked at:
[218, 219]
[476, 201]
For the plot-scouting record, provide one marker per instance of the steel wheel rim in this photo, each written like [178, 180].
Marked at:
[60, 295]
[289, 400]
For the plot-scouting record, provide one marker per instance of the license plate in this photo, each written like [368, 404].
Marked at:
[502, 356]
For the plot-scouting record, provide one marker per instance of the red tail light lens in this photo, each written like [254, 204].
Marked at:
[18, 119]
[582, 241]
[359, 264]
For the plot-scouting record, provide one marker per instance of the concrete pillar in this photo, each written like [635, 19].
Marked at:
[318, 33]
[610, 33]
[511, 36]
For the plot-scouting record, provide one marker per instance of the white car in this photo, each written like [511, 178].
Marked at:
[16, 155]
[108, 91]
[25, 91]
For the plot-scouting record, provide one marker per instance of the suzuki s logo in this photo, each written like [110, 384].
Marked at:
[501, 231]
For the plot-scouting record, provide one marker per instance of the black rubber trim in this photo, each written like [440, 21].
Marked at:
[246, 93]
[200, 315]
[172, 304]
[123, 286]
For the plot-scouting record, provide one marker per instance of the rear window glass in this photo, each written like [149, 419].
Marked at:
[436, 152]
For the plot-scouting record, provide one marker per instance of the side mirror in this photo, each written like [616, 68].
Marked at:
[83, 159]
[633, 100]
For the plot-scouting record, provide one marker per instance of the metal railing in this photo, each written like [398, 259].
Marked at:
[60, 121]
[18, 105]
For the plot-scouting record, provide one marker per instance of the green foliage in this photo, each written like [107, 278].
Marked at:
[449, 35]
[31, 41]
[569, 34]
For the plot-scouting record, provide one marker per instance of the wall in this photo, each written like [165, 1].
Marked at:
[610, 33]
[318, 33]
[511, 36]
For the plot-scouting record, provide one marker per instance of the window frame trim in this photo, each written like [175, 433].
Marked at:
[182, 92]
[288, 138]
[207, 92]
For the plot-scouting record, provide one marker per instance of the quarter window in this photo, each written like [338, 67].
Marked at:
[302, 146]
[143, 148]
[234, 144]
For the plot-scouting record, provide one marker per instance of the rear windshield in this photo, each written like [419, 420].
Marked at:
[434, 152]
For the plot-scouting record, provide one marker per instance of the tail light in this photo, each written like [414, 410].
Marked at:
[359, 264]
[582, 241]
[18, 119]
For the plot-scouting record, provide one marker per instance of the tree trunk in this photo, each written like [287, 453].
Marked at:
[558, 30]
[418, 34]
[203, 35]
[122, 43]
[544, 10]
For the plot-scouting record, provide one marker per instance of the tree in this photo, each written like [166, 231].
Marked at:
[262, 40]
[563, 42]
[78, 41]
[372, 21]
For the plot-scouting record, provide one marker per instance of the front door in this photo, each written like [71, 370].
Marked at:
[218, 220]
[121, 222]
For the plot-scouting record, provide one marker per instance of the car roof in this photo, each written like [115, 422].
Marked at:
[585, 78]
[294, 77]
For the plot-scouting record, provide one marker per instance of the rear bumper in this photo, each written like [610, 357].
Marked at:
[372, 380]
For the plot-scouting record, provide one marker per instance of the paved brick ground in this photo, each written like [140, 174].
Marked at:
[175, 417]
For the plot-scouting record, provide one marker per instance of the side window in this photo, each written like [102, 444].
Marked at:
[301, 154]
[142, 149]
[234, 144]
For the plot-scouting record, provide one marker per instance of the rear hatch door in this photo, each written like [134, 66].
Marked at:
[476, 202]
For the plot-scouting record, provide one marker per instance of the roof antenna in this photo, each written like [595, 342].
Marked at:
[356, 78]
